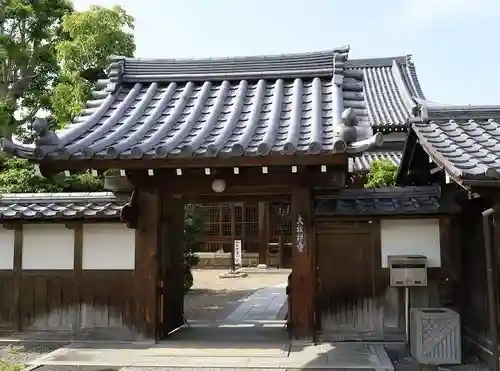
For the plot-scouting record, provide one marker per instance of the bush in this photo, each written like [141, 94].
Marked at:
[193, 230]
[382, 174]
[19, 176]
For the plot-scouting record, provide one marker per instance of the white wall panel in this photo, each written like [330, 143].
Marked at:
[48, 247]
[108, 246]
[6, 248]
[411, 237]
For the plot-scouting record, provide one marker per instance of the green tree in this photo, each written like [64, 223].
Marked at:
[49, 58]
[51, 55]
[382, 174]
[91, 37]
[29, 32]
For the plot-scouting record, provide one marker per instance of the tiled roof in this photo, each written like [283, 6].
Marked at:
[93, 205]
[288, 104]
[464, 140]
[364, 162]
[384, 201]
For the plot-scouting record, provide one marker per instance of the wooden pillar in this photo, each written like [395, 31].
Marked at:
[303, 287]
[171, 267]
[146, 266]
[264, 231]
[17, 311]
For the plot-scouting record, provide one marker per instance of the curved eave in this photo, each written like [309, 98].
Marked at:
[490, 177]
[458, 176]
[30, 153]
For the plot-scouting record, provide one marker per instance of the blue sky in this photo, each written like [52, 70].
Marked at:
[454, 43]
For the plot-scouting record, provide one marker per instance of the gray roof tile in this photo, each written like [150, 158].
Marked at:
[92, 205]
[364, 162]
[463, 140]
[384, 201]
[288, 104]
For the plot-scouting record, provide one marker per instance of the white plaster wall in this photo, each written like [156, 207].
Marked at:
[48, 247]
[6, 248]
[411, 237]
[109, 246]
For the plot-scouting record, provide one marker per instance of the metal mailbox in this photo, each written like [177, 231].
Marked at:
[407, 270]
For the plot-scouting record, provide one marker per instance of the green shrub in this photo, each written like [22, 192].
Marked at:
[382, 174]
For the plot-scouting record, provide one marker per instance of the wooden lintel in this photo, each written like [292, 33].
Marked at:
[72, 224]
[248, 182]
[12, 224]
[49, 168]
[226, 198]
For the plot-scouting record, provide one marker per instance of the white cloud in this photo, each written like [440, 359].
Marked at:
[417, 11]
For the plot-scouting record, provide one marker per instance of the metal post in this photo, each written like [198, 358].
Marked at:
[491, 283]
[233, 235]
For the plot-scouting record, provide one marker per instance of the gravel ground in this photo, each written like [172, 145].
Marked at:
[213, 299]
[19, 354]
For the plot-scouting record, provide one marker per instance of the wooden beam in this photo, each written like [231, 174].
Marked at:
[247, 182]
[303, 285]
[227, 198]
[48, 168]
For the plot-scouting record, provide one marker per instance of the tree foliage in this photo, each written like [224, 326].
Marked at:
[19, 176]
[382, 174]
[50, 55]
[91, 37]
[29, 32]
[193, 229]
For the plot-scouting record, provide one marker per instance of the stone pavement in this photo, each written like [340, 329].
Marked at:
[263, 304]
[225, 355]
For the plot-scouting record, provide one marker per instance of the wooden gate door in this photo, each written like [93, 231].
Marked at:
[347, 306]
[170, 273]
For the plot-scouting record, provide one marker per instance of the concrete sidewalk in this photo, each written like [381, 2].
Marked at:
[229, 356]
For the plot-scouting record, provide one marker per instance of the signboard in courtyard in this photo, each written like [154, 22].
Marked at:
[238, 258]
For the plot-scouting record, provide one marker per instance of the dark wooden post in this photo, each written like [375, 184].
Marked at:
[264, 230]
[303, 287]
[171, 269]
[146, 266]
[17, 310]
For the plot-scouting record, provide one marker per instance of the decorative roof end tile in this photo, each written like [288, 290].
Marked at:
[115, 73]
[47, 141]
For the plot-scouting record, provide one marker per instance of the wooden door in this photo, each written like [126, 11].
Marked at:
[347, 306]
[170, 257]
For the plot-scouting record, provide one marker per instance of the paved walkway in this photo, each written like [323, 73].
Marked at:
[263, 304]
[227, 356]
